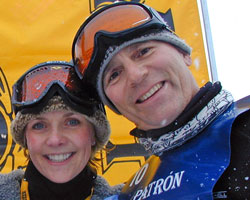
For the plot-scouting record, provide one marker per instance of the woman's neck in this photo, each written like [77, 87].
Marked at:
[42, 188]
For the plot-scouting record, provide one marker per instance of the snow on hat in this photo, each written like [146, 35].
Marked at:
[98, 120]
[164, 36]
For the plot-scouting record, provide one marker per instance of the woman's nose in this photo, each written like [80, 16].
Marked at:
[56, 137]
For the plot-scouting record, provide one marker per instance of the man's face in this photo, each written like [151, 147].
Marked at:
[150, 83]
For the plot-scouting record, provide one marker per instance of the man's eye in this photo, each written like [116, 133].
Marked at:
[73, 122]
[114, 75]
[38, 126]
[142, 52]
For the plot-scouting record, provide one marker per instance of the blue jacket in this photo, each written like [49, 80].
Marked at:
[201, 168]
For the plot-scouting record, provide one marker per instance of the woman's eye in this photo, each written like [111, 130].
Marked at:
[73, 122]
[38, 126]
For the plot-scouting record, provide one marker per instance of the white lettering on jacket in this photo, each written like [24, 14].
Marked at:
[172, 181]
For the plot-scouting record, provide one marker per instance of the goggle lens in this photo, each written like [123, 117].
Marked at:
[37, 81]
[114, 19]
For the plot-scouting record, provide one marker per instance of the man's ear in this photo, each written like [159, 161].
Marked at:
[187, 59]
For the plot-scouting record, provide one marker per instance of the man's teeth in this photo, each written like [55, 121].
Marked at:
[150, 92]
[59, 157]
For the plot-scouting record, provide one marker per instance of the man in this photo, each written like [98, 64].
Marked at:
[199, 137]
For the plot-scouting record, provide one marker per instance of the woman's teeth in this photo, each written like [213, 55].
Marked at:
[150, 93]
[59, 157]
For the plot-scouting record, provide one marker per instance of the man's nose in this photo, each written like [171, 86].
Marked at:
[136, 73]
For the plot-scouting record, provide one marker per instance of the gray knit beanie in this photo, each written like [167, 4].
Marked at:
[164, 36]
[98, 120]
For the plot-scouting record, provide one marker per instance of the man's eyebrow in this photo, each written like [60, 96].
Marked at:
[136, 45]
[109, 65]
[129, 48]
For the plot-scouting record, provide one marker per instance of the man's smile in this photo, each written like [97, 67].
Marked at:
[151, 92]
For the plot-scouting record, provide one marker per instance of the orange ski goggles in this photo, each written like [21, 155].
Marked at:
[113, 23]
[45, 80]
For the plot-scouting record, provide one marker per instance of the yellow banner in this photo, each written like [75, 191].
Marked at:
[35, 31]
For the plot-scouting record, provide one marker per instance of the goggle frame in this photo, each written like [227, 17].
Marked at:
[104, 39]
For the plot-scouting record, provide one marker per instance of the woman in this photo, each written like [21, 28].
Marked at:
[60, 126]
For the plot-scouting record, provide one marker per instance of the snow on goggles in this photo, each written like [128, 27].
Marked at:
[115, 20]
[37, 82]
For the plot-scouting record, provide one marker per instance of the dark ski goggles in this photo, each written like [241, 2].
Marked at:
[112, 21]
[43, 81]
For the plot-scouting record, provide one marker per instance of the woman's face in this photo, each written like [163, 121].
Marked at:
[59, 144]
